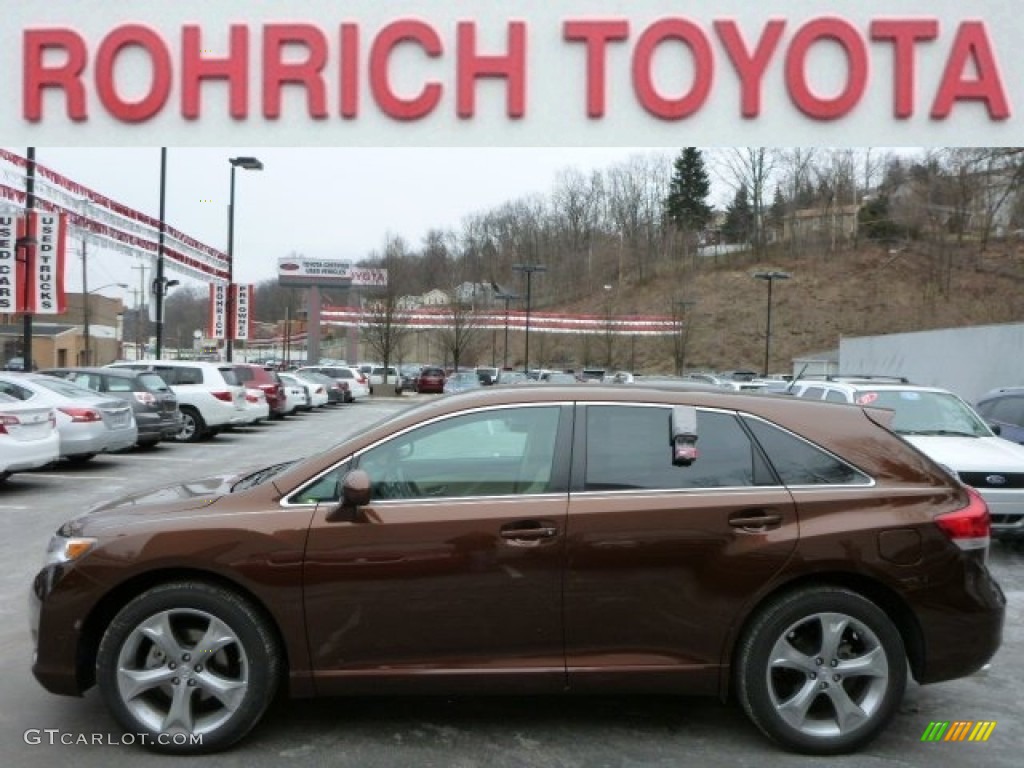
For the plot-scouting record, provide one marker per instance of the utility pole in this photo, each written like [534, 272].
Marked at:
[139, 306]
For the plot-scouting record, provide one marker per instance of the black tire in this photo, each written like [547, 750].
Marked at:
[193, 428]
[81, 458]
[245, 666]
[801, 649]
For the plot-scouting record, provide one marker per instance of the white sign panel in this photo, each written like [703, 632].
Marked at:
[494, 73]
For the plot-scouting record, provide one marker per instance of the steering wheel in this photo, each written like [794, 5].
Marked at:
[398, 486]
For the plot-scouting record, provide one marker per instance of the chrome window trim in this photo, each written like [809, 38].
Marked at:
[286, 497]
[871, 480]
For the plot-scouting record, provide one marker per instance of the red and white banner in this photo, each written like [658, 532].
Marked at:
[217, 328]
[33, 280]
[9, 227]
[46, 264]
[241, 325]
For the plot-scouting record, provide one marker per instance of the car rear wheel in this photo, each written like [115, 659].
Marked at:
[192, 426]
[81, 458]
[192, 665]
[821, 671]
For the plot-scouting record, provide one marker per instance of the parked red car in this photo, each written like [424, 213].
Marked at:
[264, 378]
[431, 380]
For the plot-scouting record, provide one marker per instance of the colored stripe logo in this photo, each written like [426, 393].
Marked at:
[958, 730]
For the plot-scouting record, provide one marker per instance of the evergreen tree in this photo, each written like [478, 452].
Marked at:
[777, 213]
[739, 218]
[688, 191]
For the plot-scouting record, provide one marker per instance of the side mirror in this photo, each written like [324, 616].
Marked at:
[996, 429]
[355, 493]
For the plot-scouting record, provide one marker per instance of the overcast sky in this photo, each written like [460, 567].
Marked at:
[323, 203]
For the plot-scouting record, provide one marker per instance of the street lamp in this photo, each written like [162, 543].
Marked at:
[769, 277]
[506, 297]
[528, 269]
[87, 351]
[249, 164]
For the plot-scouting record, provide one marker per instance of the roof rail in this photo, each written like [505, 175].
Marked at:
[867, 377]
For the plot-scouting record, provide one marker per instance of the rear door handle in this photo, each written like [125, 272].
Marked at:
[528, 531]
[755, 520]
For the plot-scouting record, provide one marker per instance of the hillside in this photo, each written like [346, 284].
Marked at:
[870, 290]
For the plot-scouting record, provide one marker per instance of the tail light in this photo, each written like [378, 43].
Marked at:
[81, 414]
[343, 385]
[6, 420]
[362, 379]
[146, 398]
[223, 395]
[320, 391]
[251, 398]
[970, 527]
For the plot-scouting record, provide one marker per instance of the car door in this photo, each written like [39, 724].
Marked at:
[451, 579]
[661, 557]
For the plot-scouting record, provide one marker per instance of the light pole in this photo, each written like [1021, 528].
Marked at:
[528, 269]
[769, 277]
[684, 333]
[506, 297]
[86, 333]
[249, 164]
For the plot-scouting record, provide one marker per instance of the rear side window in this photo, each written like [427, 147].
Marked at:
[799, 462]
[628, 448]
[813, 393]
[182, 375]
[836, 397]
[114, 384]
[152, 382]
[230, 377]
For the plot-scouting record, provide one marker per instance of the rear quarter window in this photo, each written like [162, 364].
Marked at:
[153, 382]
[799, 462]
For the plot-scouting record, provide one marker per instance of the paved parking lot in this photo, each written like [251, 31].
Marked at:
[596, 731]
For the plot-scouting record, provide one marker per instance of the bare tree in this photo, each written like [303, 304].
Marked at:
[753, 167]
[387, 321]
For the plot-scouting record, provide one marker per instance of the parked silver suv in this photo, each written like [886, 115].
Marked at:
[944, 427]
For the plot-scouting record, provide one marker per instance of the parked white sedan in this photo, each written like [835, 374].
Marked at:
[302, 395]
[88, 422]
[28, 436]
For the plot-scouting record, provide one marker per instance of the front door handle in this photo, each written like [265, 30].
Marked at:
[528, 531]
[755, 520]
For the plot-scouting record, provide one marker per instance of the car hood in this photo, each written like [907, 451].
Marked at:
[971, 454]
[178, 496]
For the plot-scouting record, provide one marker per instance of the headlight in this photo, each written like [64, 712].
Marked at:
[62, 549]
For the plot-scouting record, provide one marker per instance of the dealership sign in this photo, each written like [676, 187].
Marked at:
[298, 271]
[600, 72]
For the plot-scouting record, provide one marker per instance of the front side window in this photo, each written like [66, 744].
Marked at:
[486, 453]
[629, 448]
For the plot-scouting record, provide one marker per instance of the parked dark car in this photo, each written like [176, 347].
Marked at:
[409, 377]
[155, 405]
[1003, 408]
[543, 540]
[336, 391]
[265, 379]
[431, 380]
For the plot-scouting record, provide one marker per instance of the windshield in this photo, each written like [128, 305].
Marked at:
[927, 413]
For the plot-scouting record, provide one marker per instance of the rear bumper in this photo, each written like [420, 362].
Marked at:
[1007, 511]
[961, 623]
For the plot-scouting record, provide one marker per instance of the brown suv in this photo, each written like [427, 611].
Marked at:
[797, 556]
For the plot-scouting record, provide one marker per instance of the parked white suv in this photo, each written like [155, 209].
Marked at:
[945, 428]
[210, 397]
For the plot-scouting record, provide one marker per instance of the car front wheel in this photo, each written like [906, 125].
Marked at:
[190, 664]
[821, 671]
